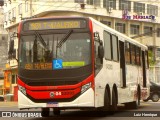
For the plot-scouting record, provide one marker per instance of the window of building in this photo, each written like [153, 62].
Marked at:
[5, 17]
[79, 1]
[26, 6]
[3, 37]
[139, 7]
[115, 47]
[108, 23]
[152, 10]
[158, 32]
[20, 9]
[148, 30]
[127, 53]
[97, 2]
[125, 5]
[9, 15]
[107, 45]
[133, 54]
[1, 28]
[109, 4]
[120, 27]
[13, 12]
[134, 29]
[90, 2]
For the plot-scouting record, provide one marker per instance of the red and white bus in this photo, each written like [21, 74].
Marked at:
[79, 63]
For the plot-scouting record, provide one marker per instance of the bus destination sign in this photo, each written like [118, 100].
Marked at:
[54, 24]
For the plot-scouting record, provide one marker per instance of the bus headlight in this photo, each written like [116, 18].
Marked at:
[85, 87]
[22, 89]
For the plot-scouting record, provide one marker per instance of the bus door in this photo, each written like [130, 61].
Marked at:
[122, 65]
[144, 68]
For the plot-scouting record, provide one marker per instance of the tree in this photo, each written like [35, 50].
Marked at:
[151, 58]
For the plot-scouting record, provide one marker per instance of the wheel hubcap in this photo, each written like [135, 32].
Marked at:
[155, 97]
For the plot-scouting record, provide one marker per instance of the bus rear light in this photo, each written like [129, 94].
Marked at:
[85, 87]
[22, 89]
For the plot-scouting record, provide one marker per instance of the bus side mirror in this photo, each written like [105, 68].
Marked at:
[101, 51]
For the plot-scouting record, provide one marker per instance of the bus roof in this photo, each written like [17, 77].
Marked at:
[96, 22]
[119, 34]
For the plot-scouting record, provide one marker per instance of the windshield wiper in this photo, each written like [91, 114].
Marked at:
[41, 39]
[63, 40]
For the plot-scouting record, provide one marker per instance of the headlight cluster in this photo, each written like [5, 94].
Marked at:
[22, 89]
[85, 87]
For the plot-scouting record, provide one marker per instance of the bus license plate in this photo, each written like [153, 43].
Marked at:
[52, 104]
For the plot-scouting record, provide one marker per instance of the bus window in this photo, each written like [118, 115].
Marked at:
[115, 47]
[133, 60]
[146, 59]
[127, 53]
[107, 46]
[138, 62]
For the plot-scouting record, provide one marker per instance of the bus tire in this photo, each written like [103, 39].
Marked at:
[45, 112]
[114, 102]
[106, 107]
[56, 112]
[137, 102]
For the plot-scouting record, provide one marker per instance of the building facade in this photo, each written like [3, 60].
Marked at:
[3, 50]
[139, 20]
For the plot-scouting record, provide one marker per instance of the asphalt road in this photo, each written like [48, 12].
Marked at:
[147, 111]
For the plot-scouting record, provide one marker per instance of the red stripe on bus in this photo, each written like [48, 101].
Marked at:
[56, 94]
[63, 87]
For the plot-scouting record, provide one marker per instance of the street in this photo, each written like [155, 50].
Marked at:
[147, 110]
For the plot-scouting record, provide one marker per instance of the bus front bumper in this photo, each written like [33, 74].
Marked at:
[84, 100]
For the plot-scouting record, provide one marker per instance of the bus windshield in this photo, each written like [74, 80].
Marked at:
[41, 51]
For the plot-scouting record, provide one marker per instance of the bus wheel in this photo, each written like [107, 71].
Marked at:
[137, 102]
[56, 111]
[114, 102]
[45, 112]
[106, 107]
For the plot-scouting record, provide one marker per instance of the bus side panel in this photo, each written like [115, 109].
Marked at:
[109, 74]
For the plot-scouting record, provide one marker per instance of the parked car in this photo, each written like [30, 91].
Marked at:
[154, 92]
[1, 98]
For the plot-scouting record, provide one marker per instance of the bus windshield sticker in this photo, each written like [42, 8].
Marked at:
[57, 64]
[77, 63]
[30, 66]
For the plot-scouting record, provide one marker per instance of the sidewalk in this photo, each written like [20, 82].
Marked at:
[8, 104]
